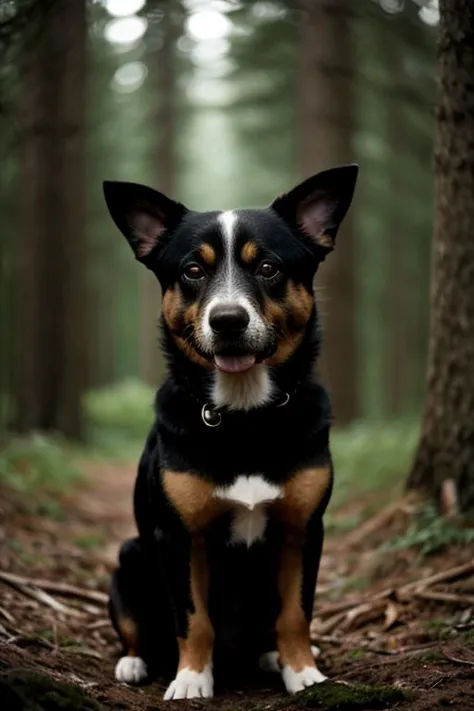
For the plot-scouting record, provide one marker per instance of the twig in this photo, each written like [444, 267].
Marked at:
[456, 660]
[415, 649]
[41, 596]
[9, 617]
[329, 625]
[83, 651]
[60, 588]
[100, 624]
[348, 605]
[439, 596]
[376, 607]
[460, 571]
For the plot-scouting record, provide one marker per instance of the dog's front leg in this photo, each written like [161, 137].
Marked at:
[194, 676]
[193, 499]
[302, 506]
[296, 658]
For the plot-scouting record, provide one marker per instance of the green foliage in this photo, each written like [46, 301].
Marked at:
[124, 409]
[91, 541]
[371, 457]
[431, 533]
[37, 464]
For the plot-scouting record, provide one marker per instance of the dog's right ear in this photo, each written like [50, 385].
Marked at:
[142, 214]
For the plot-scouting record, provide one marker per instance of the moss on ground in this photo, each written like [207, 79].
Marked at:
[332, 696]
[23, 690]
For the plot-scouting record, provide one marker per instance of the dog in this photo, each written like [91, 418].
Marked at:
[236, 472]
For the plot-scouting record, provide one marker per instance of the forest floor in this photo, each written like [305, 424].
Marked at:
[395, 628]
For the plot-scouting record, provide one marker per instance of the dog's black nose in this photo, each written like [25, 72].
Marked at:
[229, 318]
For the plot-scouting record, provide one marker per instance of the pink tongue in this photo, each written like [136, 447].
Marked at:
[234, 364]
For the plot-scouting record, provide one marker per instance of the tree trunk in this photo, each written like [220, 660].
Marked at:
[161, 64]
[446, 447]
[51, 346]
[326, 131]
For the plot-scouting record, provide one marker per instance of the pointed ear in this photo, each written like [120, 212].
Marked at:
[318, 205]
[142, 214]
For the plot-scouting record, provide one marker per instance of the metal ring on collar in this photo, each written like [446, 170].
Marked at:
[285, 401]
[210, 416]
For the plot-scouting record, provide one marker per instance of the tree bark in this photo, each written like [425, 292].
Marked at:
[161, 63]
[326, 133]
[51, 344]
[446, 447]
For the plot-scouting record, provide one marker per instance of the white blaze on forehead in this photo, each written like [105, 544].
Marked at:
[228, 224]
[227, 221]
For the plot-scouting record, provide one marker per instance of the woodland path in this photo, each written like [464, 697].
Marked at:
[372, 628]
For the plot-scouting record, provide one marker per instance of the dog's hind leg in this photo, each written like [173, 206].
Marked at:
[140, 613]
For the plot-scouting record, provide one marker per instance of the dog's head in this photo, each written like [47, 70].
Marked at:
[237, 285]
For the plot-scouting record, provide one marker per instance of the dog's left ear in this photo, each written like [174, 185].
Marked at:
[318, 205]
[142, 214]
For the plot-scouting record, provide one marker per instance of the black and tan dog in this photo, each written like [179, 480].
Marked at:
[236, 472]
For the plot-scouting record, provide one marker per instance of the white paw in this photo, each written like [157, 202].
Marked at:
[269, 662]
[297, 681]
[190, 684]
[130, 670]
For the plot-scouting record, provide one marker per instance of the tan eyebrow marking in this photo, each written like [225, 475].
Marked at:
[208, 254]
[249, 252]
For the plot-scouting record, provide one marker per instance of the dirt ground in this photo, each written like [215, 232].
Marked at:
[395, 631]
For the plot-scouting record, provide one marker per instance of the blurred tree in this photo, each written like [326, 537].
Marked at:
[446, 449]
[326, 101]
[264, 63]
[162, 35]
[51, 349]
[398, 308]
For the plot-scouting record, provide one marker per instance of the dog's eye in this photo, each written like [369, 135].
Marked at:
[194, 272]
[268, 270]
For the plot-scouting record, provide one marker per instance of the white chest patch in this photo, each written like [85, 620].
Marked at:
[249, 496]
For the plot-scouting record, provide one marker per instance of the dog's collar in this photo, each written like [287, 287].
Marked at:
[211, 415]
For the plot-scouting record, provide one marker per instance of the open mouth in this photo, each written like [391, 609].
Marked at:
[234, 363]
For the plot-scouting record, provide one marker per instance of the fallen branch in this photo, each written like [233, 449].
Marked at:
[9, 617]
[100, 624]
[371, 609]
[328, 626]
[60, 588]
[414, 649]
[456, 660]
[343, 606]
[438, 596]
[460, 571]
[40, 596]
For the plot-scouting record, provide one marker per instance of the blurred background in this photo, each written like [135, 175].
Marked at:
[220, 104]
